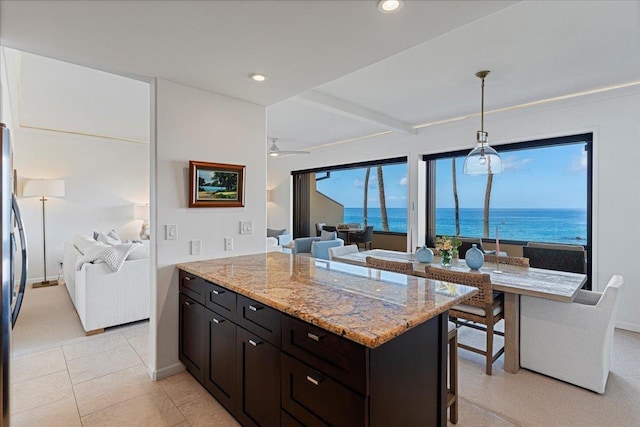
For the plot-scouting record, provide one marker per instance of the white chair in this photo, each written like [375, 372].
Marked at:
[571, 341]
[342, 250]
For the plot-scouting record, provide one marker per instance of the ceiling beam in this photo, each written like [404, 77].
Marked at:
[334, 105]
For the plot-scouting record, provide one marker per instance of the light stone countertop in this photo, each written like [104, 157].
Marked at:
[367, 306]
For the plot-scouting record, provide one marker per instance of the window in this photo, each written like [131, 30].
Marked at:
[542, 195]
[386, 205]
[351, 193]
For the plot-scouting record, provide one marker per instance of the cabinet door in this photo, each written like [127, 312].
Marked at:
[220, 367]
[259, 380]
[192, 336]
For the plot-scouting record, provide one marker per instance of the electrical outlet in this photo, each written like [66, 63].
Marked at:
[171, 232]
[246, 227]
[196, 247]
[228, 243]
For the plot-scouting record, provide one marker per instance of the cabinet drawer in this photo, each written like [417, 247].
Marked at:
[220, 300]
[261, 320]
[317, 400]
[340, 358]
[192, 286]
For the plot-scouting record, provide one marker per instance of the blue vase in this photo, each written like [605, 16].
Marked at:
[424, 254]
[474, 258]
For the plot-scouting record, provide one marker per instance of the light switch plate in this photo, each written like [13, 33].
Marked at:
[196, 247]
[246, 227]
[171, 232]
[228, 243]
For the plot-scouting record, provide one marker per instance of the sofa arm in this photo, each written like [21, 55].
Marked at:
[320, 249]
[303, 244]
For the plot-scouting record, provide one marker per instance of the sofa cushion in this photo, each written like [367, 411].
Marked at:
[139, 252]
[272, 232]
[328, 235]
[85, 243]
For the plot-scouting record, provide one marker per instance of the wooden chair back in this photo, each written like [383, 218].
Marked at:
[508, 260]
[481, 281]
[394, 266]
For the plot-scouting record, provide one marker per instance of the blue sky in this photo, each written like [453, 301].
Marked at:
[346, 187]
[550, 177]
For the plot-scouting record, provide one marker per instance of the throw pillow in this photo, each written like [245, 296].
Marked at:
[328, 235]
[138, 252]
[272, 232]
[110, 238]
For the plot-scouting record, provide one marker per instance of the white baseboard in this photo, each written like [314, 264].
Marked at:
[167, 371]
[628, 326]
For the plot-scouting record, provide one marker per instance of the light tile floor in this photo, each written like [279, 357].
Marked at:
[103, 381]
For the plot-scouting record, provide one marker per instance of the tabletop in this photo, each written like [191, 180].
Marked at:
[537, 282]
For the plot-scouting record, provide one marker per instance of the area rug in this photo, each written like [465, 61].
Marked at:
[47, 318]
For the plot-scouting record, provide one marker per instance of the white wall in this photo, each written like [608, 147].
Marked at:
[192, 124]
[81, 141]
[613, 117]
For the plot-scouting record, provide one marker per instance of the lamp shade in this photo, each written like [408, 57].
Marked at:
[43, 187]
[482, 160]
[141, 211]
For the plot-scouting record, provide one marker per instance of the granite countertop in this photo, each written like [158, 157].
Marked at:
[365, 305]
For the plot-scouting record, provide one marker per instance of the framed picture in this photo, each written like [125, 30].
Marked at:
[215, 185]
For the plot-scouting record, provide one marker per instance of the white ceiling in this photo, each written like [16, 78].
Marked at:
[387, 71]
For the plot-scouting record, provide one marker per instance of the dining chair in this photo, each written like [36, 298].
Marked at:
[342, 250]
[394, 266]
[319, 226]
[365, 237]
[507, 260]
[481, 309]
[573, 341]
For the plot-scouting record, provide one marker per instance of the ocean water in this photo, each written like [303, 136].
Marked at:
[539, 225]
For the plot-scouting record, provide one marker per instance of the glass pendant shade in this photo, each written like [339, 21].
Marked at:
[482, 160]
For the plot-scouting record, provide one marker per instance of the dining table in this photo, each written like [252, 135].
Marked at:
[513, 281]
[346, 233]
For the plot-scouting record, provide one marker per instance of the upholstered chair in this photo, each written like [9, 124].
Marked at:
[571, 341]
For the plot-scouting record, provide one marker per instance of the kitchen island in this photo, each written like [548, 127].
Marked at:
[280, 339]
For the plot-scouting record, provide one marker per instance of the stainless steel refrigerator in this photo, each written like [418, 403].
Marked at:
[12, 291]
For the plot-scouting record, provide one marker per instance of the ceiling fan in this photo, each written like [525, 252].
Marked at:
[274, 151]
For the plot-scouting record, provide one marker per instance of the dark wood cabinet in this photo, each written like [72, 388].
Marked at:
[258, 380]
[270, 369]
[220, 359]
[191, 336]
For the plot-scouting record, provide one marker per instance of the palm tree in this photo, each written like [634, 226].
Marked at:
[366, 195]
[383, 202]
[487, 203]
[455, 195]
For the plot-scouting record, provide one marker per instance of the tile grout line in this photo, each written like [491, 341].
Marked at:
[73, 390]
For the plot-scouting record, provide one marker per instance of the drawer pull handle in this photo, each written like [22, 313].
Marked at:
[315, 379]
[255, 343]
[255, 308]
[217, 292]
[187, 303]
[217, 320]
[187, 279]
[314, 336]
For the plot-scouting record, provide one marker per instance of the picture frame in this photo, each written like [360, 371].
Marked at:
[216, 185]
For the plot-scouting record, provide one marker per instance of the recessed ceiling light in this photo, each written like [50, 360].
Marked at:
[258, 77]
[389, 6]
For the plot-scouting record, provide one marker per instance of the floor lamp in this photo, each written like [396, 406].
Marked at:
[44, 188]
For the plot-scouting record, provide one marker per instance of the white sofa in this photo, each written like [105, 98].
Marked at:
[102, 297]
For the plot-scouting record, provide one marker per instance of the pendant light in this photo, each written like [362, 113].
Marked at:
[483, 159]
